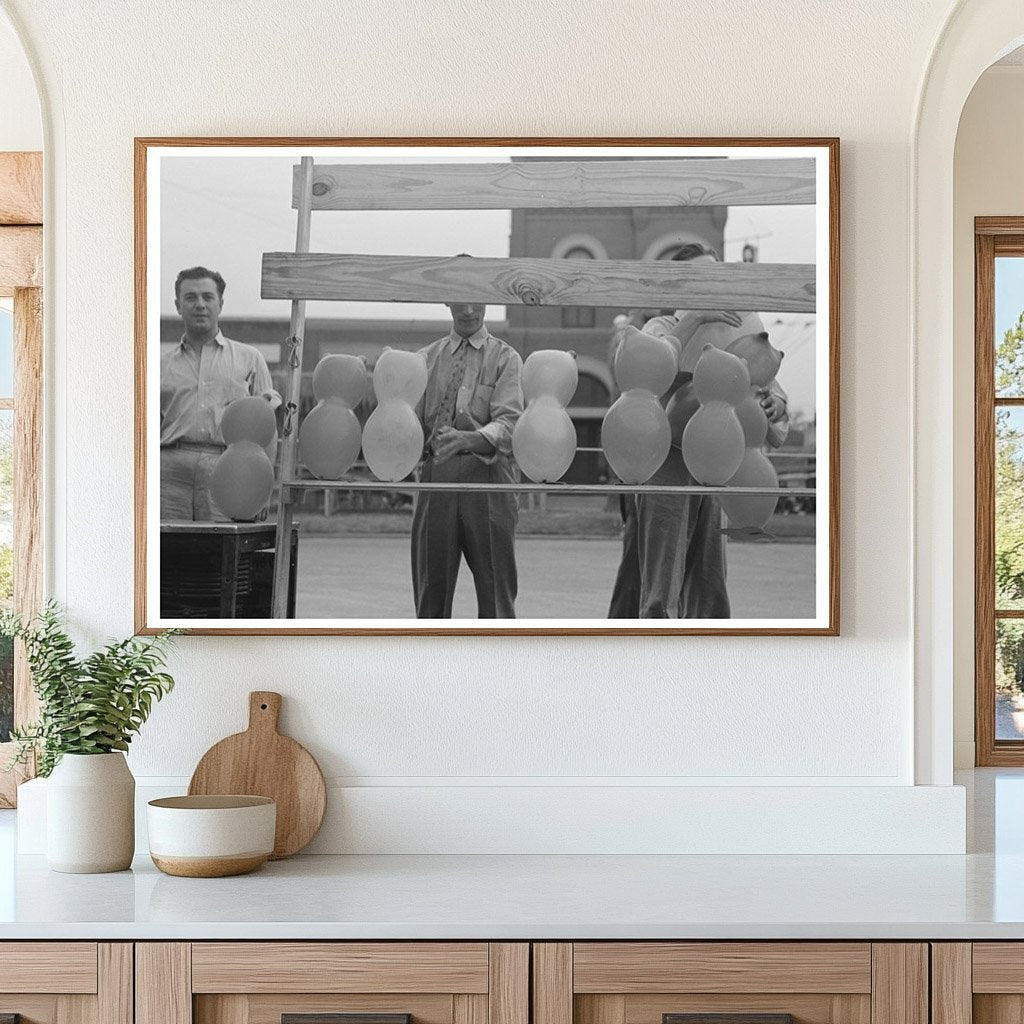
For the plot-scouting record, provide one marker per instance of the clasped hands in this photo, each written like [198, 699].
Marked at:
[449, 442]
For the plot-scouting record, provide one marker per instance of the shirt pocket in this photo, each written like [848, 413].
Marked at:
[480, 404]
[216, 395]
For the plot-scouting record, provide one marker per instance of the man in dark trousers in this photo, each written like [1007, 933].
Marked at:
[473, 398]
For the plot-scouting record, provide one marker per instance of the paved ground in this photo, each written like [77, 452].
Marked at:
[1009, 717]
[559, 577]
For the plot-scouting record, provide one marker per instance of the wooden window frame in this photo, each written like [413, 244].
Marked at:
[993, 237]
[21, 278]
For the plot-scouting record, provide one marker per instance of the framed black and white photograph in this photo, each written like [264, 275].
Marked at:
[564, 386]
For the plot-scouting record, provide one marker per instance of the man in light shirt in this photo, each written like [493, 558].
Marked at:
[473, 398]
[199, 378]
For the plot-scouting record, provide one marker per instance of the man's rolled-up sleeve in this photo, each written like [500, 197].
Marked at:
[779, 431]
[506, 404]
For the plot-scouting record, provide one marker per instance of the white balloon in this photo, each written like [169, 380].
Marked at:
[392, 440]
[544, 440]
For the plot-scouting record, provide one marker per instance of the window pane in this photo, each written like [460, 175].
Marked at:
[6, 575]
[6, 353]
[1009, 317]
[1009, 679]
[1009, 525]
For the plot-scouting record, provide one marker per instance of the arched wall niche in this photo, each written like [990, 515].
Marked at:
[975, 35]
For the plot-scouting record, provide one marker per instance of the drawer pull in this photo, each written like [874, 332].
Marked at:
[727, 1018]
[339, 1018]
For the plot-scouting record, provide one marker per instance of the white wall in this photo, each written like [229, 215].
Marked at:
[987, 182]
[451, 713]
[21, 127]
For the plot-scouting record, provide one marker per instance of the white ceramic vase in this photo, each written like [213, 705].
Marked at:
[90, 814]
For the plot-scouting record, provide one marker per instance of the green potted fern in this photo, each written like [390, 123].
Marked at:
[90, 707]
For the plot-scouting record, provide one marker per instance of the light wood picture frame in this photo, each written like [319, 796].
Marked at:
[580, 241]
[21, 281]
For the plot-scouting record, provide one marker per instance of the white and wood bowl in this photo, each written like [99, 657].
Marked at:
[211, 836]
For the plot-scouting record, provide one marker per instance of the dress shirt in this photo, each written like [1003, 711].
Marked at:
[490, 399]
[194, 394]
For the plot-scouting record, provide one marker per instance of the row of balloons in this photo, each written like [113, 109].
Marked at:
[716, 419]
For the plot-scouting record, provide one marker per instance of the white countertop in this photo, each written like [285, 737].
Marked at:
[517, 897]
[977, 896]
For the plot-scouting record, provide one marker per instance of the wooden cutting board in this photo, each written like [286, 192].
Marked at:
[262, 762]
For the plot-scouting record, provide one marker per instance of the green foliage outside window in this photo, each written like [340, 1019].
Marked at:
[1009, 510]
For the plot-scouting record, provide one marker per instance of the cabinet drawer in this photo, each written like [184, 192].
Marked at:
[980, 982]
[332, 983]
[340, 967]
[730, 983]
[634, 967]
[66, 982]
[64, 967]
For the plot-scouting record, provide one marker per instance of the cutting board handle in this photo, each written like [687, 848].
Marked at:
[264, 710]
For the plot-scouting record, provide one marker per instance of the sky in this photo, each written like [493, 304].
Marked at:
[224, 211]
[6, 353]
[1009, 292]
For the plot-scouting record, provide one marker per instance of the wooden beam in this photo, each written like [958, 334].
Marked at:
[660, 284]
[951, 983]
[999, 225]
[115, 984]
[21, 259]
[163, 983]
[508, 989]
[552, 983]
[984, 504]
[21, 188]
[575, 184]
[899, 983]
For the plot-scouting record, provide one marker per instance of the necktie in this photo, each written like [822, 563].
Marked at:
[446, 410]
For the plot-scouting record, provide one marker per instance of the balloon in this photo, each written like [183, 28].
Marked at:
[753, 421]
[401, 375]
[762, 359]
[636, 436]
[544, 440]
[329, 439]
[552, 373]
[249, 419]
[392, 440]
[644, 361]
[681, 406]
[340, 376]
[751, 511]
[716, 333]
[720, 377]
[242, 480]
[713, 444]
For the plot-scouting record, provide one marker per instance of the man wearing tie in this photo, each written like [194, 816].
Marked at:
[473, 398]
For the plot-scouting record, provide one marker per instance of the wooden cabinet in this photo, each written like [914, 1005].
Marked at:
[978, 983]
[305, 982]
[512, 983]
[66, 982]
[752, 982]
